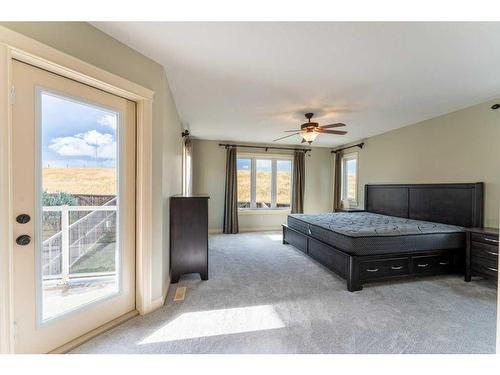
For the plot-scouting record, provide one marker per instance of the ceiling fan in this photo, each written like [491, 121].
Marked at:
[310, 130]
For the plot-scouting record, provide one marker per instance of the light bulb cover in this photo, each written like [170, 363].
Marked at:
[309, 136]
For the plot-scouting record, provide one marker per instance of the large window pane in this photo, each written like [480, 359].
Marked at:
[351, 169]
[244, 167]
[79, 252]
[283, 183]
[263, 184]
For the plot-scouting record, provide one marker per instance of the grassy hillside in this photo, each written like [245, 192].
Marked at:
[98, 181]
[264, 181]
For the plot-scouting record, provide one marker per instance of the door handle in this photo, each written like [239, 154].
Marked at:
[23, 218]
[23, 240]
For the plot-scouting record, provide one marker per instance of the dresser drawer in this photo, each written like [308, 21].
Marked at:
[484, 250]
[484, 267]
[485, 238]
[478, 261]
[375, 269]
[430, 264]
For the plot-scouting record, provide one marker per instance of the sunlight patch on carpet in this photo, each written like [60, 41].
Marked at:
[275, 237]
[217, 322]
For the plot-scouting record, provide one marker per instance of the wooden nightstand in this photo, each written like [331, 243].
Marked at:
[481, 253]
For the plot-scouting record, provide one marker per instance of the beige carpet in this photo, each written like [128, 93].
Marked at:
[265, 297]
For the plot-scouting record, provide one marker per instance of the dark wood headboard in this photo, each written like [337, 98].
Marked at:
[456, 204]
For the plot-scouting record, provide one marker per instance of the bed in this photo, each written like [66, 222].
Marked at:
[405, 231]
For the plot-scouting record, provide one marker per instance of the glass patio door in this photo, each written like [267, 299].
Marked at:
[74, 205]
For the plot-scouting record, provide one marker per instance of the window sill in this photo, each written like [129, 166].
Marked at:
[264, 211]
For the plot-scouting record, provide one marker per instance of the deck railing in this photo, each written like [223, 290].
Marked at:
[63, 250]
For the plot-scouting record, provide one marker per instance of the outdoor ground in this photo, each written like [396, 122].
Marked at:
[98, 181]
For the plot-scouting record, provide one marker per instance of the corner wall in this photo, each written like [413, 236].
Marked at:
[209, 165]
[85, 42]
[462, 146]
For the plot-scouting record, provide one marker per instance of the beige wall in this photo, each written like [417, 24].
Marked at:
[209, 164]
[463, 146]
[89, 44]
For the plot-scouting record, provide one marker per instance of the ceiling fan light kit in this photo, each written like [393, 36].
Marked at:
[309, 136]
[309, 131]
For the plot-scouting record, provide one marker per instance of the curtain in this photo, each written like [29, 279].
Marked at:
[231, 193]
[188, 166]
[298, 182]
[337, 184]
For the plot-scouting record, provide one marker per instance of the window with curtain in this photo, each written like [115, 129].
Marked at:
[264, 182]
[349, 177]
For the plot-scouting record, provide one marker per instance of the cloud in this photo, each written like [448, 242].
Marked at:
[93, 137]
[108, 121]
[91, 144]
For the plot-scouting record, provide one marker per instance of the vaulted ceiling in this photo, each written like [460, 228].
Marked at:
[249, 82]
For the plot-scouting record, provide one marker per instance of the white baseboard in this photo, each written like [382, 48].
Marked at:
[95, 332]
[249, 229]
[261, 229]
[160, 301]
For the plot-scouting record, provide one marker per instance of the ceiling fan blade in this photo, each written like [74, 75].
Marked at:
[289, 131]
[339, 132]
[337, 125]
[286, 136]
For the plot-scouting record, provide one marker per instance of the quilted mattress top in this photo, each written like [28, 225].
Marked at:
[367, 224]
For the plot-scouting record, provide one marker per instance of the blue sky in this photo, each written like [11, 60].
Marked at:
[264, 165]
[351, 167]
[76, 134]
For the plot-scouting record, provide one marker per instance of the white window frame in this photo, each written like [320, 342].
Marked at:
[274, 188]
[344, 180]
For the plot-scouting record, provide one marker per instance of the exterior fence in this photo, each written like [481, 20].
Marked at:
[62, 251]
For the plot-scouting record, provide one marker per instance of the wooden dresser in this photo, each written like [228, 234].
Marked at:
[481, 253]
[188, 236]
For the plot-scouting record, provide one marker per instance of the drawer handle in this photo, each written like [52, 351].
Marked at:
[492, 253]
[492, 269]
[443, 263]
[372, 269]
[490, 240]
[396, 267]
[422, 265]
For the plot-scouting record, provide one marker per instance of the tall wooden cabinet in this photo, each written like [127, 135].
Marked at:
[188, 236]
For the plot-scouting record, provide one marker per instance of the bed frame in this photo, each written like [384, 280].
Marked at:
[455, 204]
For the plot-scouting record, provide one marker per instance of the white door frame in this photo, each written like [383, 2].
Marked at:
[19, 47]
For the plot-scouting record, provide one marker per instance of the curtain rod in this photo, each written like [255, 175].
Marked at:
[360, 145]
[226, 145]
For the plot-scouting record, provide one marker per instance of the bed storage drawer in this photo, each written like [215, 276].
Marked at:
[383, 268]
[296, 239]
[431, 264]
[334, 260]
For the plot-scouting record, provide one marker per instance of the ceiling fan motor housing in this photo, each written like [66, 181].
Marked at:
[309, 126]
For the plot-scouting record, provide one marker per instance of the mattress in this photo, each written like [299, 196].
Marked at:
[365, 233]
